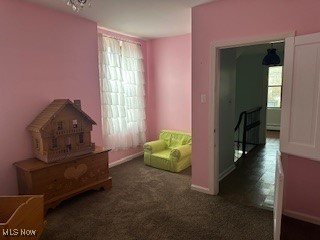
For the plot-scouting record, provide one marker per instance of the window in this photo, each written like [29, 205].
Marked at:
[54, 143]
[81, 140]
[36, 143]
[274, 87]
[75, 123]
[122, 93]
[60, 125]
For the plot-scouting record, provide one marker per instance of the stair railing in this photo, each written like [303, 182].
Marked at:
[250, 129]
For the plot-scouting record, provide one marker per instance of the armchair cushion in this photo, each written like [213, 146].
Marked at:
[155, 146]
[171, 152]
[182, 151]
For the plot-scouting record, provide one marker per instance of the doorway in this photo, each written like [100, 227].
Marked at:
[249, 92]
[214, 172]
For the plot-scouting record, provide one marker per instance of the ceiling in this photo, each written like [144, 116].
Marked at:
[141, 18]
[260, 48]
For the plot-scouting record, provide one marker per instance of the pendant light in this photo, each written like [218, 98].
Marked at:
[271, 58]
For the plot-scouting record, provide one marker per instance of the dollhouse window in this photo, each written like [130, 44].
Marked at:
[81, 140]
[75, 123]
[60, 125]
[36, 143]
[68, 144]
[54, 143]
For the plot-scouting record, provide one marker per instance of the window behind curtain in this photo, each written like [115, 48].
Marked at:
[122, 93]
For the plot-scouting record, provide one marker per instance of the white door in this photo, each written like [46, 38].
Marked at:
[300, 116]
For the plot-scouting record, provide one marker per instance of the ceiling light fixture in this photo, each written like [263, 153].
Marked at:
[76, 5]
[271, 58]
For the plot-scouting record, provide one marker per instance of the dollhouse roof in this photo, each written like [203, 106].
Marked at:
[51, 111]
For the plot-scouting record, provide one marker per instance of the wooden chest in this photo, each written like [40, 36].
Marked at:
[61, 180]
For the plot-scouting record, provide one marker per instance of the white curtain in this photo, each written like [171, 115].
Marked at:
[122, 93]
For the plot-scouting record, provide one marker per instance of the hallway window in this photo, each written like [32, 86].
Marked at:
[274, 87]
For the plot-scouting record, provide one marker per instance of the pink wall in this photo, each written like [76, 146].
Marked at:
[302, 187]
[45, 55]
[169, 102]
[242, 19]
[117, 155]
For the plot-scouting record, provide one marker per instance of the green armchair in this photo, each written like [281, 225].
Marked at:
[171, 152]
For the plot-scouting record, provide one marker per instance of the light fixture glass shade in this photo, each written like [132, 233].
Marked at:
[76, 5]
[271, 58]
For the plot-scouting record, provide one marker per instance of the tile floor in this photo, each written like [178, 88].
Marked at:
[252, 182]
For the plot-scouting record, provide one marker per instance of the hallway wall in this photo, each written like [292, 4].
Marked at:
[251, 88]
[226, 110]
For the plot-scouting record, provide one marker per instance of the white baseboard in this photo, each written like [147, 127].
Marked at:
[273, 127]
[226, 172]
[125, 159]
[302, 217]
[200, 189]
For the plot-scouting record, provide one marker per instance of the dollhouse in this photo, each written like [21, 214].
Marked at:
[62, 130]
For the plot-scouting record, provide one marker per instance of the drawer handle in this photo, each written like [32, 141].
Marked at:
[75, 172]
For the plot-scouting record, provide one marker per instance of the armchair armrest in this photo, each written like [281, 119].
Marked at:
[155, 146]
[181, 151]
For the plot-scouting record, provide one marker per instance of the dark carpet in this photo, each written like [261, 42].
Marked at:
[148, 203]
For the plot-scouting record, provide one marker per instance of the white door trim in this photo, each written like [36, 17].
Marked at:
[215, 48]
[278, 198]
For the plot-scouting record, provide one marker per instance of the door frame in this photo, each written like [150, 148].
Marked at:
[215, 48]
